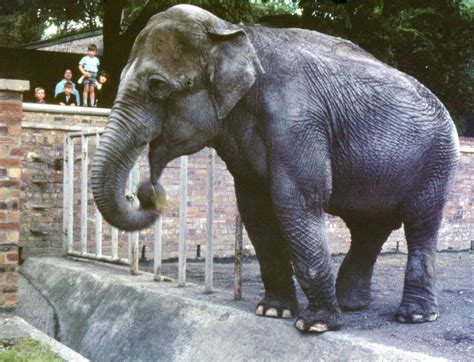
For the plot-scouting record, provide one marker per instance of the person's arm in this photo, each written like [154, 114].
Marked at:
[59, 99]
[83, 71]
[58, 88]
[73, 100]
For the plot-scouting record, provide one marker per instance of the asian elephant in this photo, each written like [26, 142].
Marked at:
[307, 124]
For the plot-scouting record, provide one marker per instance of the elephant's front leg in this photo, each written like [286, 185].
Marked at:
[257, 214]
[301, 217]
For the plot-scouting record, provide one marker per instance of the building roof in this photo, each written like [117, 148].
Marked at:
[62, 39]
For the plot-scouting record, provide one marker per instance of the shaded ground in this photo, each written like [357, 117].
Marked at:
[451, 336]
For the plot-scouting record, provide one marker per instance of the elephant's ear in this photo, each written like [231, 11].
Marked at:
[232, 68]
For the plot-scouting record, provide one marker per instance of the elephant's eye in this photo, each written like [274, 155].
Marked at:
[158, 87]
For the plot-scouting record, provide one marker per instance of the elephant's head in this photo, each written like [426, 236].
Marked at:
[186, 71]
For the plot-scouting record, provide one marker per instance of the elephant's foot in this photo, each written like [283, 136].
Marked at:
[275, 307]
[353, 297]
[319, 320]
[418, 311]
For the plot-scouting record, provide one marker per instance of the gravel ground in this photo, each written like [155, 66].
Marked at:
[451, 336]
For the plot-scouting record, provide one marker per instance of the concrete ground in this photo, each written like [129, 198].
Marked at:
[106, 314]
[451, 336]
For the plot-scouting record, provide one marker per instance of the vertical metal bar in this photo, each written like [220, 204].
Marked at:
[70, 193]
[210, 222]
[129, 197]
[182, 222]
[114, 243]
[134, 236]
[65, 194]
[157, 249]
[98, 218]
[238, 258]
[84, 192]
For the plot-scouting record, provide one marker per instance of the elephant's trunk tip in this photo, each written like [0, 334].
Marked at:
[153, 197]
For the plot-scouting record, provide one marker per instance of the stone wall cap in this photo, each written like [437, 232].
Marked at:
[14, 85]
[58, 109]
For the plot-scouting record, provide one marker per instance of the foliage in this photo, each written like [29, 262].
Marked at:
[28, 350]
[28, 23]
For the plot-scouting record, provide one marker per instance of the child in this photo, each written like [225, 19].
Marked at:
[40, 95]
[89, 65]
[66, 97]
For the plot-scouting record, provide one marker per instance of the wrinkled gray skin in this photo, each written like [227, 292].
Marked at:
[307, 124]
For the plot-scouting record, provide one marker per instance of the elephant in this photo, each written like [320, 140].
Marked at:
[307, 124]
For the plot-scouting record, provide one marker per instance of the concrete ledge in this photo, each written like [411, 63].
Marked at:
[107, 315]
[14, 85]
[52, 108]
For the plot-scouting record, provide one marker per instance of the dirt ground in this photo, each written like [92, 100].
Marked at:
[451, 336]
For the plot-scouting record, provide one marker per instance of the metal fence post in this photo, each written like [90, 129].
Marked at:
[98, 219]
[70, 193]
[84, 192]
[210, 222]
[238, 258]
[182, 222]
[157, 249]
[114, 243]
[133, 237]
[65, 195]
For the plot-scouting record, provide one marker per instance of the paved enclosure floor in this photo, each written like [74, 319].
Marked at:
[451, 336]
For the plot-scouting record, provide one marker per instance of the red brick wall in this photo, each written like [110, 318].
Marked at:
[41, 232]
[10, 170]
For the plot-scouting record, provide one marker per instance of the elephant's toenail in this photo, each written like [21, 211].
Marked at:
[417, 318]
[431, 317]
[319, 328]
[259, 310]
[401, 319]
[286, 314]
[271, 312]
[299, 324]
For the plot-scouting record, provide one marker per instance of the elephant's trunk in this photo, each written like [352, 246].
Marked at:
[119, 149]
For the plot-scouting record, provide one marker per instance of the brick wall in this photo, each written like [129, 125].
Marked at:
[10, 169]
[41, 212]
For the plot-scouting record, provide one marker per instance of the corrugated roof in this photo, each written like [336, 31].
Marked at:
[62, 39]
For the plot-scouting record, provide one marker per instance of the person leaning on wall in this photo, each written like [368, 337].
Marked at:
[60, 86]
[66, 97]
[40, 95]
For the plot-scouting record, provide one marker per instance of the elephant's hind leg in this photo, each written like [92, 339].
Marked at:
[422, 220]
[419, 303]
[272, 252]
[355, 274]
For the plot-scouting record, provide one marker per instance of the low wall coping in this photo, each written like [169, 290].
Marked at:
[52, 108]
[14, 85]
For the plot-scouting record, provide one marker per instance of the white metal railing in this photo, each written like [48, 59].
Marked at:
[133, 237]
